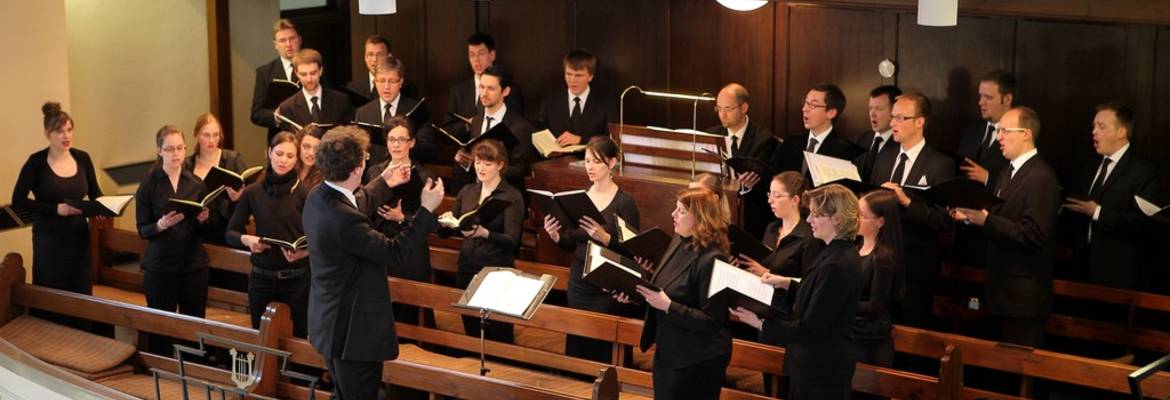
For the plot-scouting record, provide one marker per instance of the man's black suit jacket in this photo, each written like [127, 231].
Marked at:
[424, 138]
[462, 101]
[1121, 230]
[1021, 242]
[789, 156]
[350, 314]
[335, 108]
[757, 142]
[519, 159]
[598, 112]
[865, 141]
[262, 115]
[969, 246]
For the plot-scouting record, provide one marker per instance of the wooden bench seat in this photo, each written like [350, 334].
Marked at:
[139, 299]
[88, 354]
[143, 386]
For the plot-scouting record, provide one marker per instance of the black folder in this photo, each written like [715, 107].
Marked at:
[567, 207]
[651, 245]
[751, 164]
[217, 177]
[746, 244]
[12, 217]
[499, 132]
[108, 206]
[609, 270]
[958, 192]
[728, 297]
[279, 90]
[489, 208]
[376, 132]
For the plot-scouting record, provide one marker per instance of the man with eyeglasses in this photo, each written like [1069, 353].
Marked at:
[743, 138]
[916, 163]
[377, 48]
[464, 99]
[822, 105]
[391, 102]
[980, 158]
[1019, 233]
[287, 42]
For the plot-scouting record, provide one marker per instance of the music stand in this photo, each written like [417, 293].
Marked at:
[506, 291]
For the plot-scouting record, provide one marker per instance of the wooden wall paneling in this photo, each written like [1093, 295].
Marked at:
[946, 64]
[630, 40]
[1154, 139]
[839, 46]
[711, 46]
[1064, 71]
[406, 32]
[446, 26]
[326, 29]
[1140, 49]
[360, 27]
[1112, 11]
[780, 57]
[220, 66]
[531, 40]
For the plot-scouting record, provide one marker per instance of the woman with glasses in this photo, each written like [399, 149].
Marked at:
[821, 356]
[394, 219]
[175, 263]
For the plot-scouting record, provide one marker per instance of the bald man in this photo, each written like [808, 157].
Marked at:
[743, 138]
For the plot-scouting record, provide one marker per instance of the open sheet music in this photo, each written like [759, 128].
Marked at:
[609, 270]
[507, 291]
[110, 206]
[824, 169]
[734, 287]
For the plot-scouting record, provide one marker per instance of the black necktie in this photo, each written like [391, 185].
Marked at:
[389, 114]
[487, 126]
[988, 135]
[1095, 192]
[315, 110]
[734, 145]
[1005, 180]
[900, 169]
[871, 156]
[293, 75]
[575, 116]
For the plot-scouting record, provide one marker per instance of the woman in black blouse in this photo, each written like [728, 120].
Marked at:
[392, 220]
[694, 343]
[208, 153]
[820, 355]
[307, 140]
[55, 175]
[175, 263]
[882, 282]
[613, 202]
[276, 201]
[493, 241]
[789, 236]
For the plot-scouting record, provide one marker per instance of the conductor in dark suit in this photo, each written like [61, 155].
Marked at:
[377, 48]
[287, 42]
[393, 102]
[1109, 230]
[314, 103]
[351, 322]
[821, 355]
[464, 98]
[822, 105]
[495, 86]
[981, 159]
[916, 163]
[879, 139]
[1019, 233]
[577, 114]
[742, 138]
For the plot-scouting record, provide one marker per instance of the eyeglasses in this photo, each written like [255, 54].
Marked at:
[399, 140]
[777, 195]
[904, 118]
[388, 81]
[1004, 131]
[180, 149]
[813, 106]
[719, 109]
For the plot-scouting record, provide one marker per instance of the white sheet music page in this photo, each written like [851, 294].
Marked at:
[505, 292]
[827, 169]
[725, 275]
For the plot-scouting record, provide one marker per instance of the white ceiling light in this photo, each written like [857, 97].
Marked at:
[743, 5]
[938, 12]
[377, 7]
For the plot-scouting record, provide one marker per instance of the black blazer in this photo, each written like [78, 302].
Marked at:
[424, 138]
[693, 330]
[350, 315]
[261, 115]
[795, 253]
[335, 108]
[789, 156]
[365, 89]
[1021, 243]
[1121, 230]
[462, 101]
[499, 248]
[865, 141]
[757, 142]
[991, 157]
[820, 347]
[599, 111]
[519, 159]
[178, 249]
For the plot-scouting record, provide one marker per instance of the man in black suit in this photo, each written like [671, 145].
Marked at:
[465, 96]
[351, 321]
[314, 103]
[745, 139]
[392, 102]
[1108, 227]
[287, 43]
[377, 48]
[916, 163]
[1020, 233]
[494, 87]
[822, 105]
[578, 114]
[877, 141]
[981, 159]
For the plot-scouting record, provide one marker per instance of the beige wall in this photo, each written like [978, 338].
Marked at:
[36, 31]
[251, 47]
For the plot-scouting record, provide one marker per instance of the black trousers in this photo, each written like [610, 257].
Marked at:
[703, 380]
[355, 380]
[186, 292]
[293, 291]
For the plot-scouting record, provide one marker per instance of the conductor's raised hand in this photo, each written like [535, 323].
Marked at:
[396, 174]
[432, 194]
